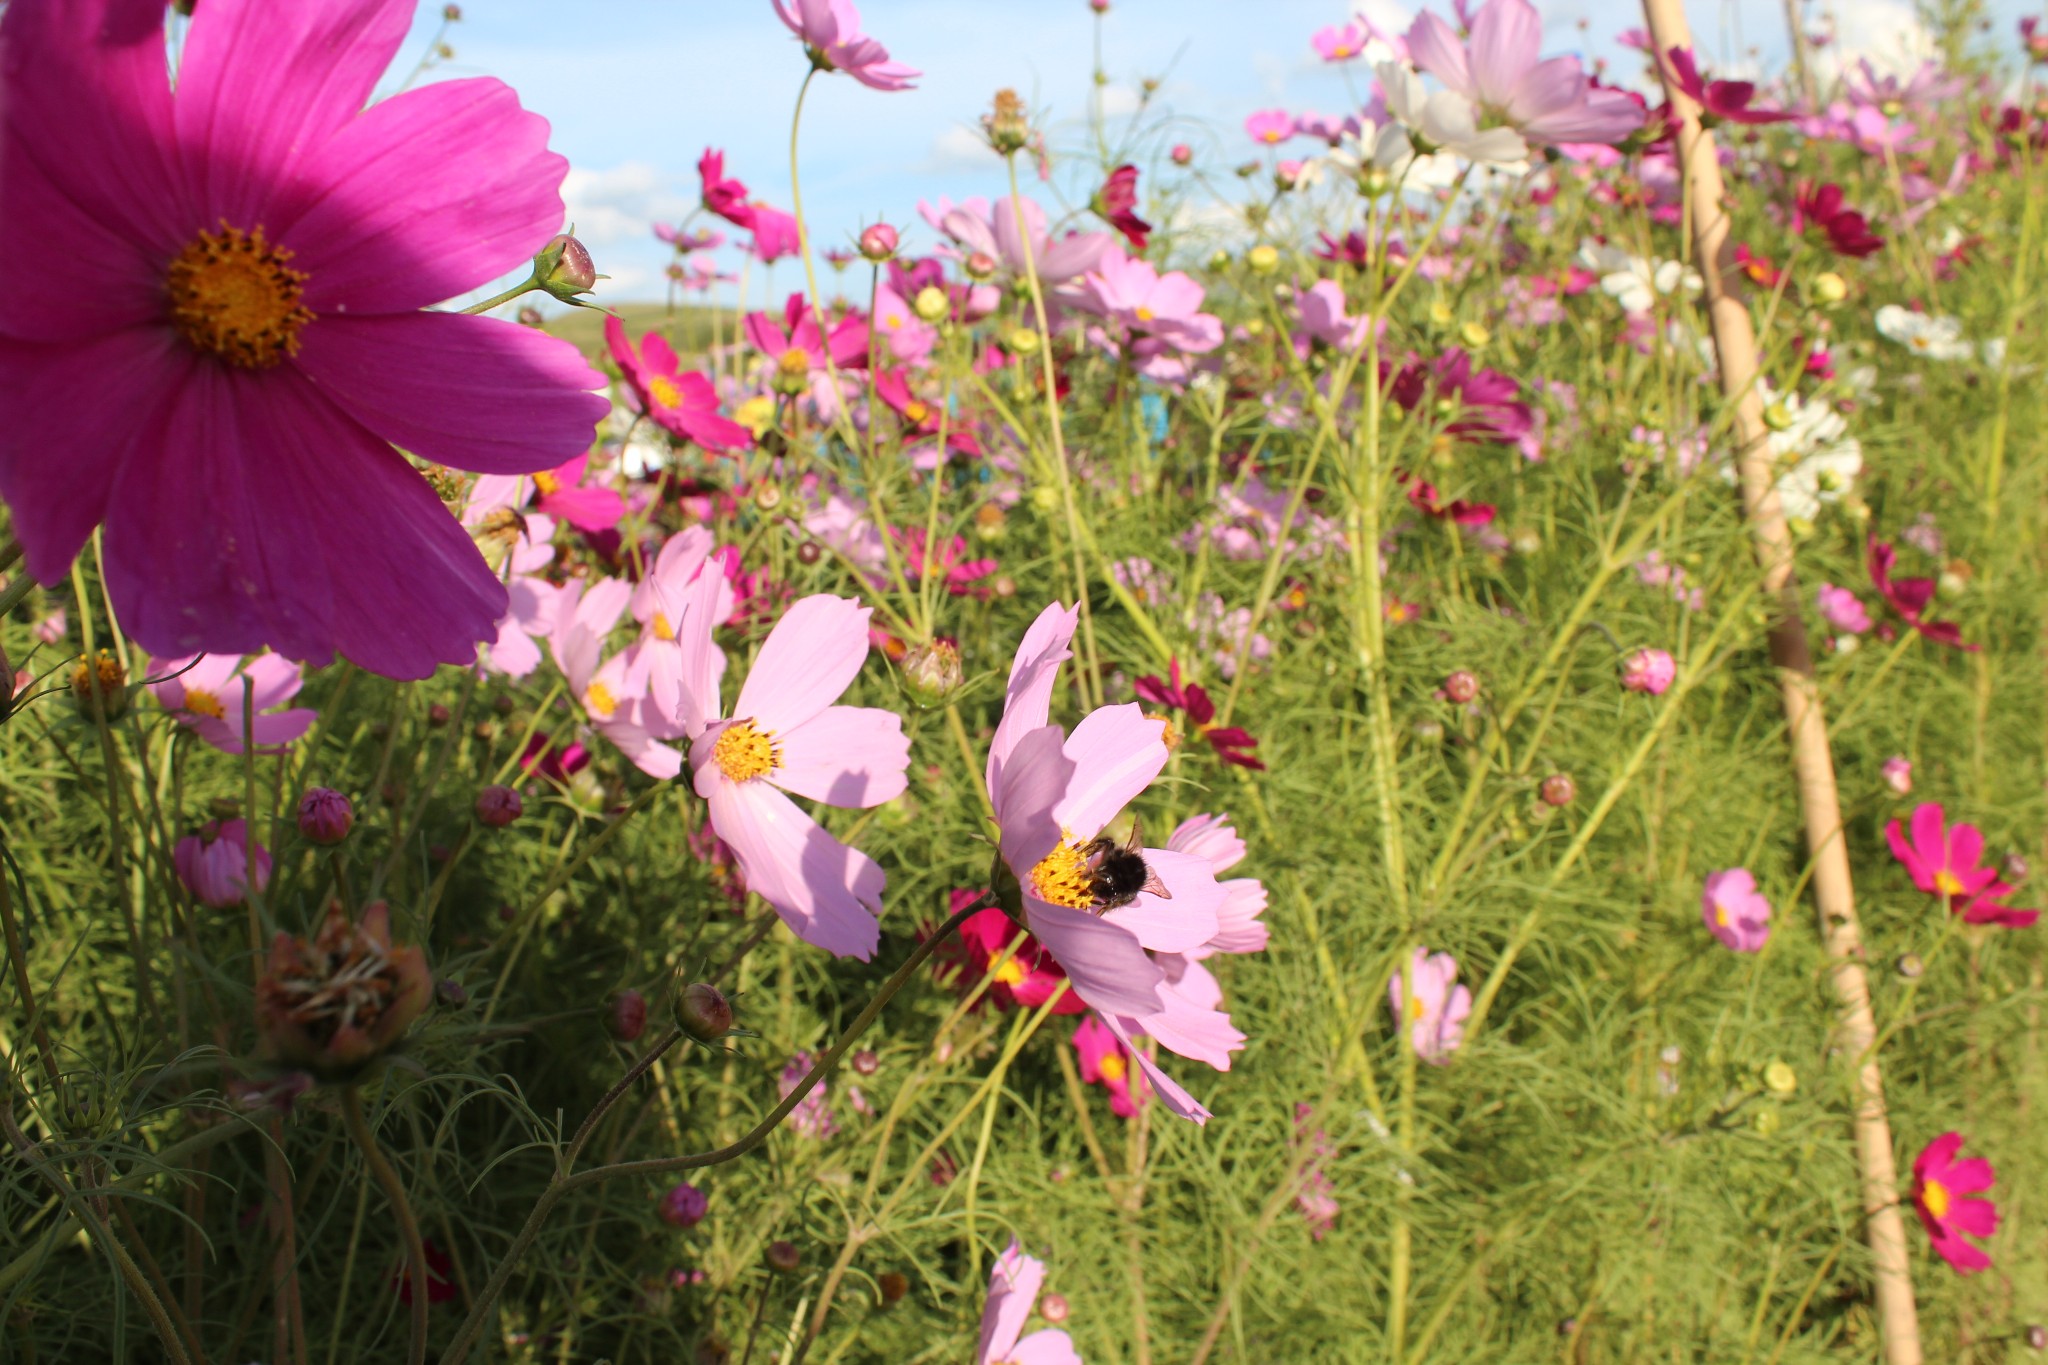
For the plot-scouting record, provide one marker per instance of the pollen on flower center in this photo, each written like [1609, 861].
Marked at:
[664, 392]
[1062, 877]
[1145, 314]
[233, 295]
[795, 362]
[1935, 1196]
[547, 483]
[745, 752]
[203, 703]
[1946, 883]
[916, 410]
[599, 701]
[1011, 973]
[662, 629]
[1113, 1068]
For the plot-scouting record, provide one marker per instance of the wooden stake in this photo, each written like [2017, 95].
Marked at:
[1812, 761]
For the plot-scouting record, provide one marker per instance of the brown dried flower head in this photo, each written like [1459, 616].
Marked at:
[335, 1003]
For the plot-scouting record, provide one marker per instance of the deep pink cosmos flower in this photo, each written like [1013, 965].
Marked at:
[1434, 1016]
[682, 402]
[1053, 794]
[1270, 127]
[775, 233]
[206, 696]
[1117, 202]
[561, 493]
[922, 420]
[1483, 405]
[1719, 101]
[1013, 1286]
[797, 347]
[1944, 1195]
[1106, 1061]
[830, 30]
[785, 736]
[247, 260]
[1026, 980]
[1910, 597]
[1848, 232]
[1503, 73]
[721, 194]
[214, 863]
[1426, 500]
[1842, 610]
[1648, 670]
[1734, 910]
[948, 562]
[1233, 744]
[1943, 861]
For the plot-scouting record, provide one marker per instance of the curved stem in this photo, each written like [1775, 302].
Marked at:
[387, 1180]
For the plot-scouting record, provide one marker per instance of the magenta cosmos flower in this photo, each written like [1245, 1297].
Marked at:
[214, 863]
[830, 30]
[1943, 861]
[1105, 1060]
[1943, 1190]
[246, 262]
[1503, 72]
[1719, 101]
[786, 737]
[681, 402]
[1911, 597]
[1013, 1287]
[206, 695]
[1436, 1012]
[1053, 794]
[1735, 911]
[1649, 670]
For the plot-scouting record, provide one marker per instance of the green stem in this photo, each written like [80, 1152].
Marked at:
[387, 1180]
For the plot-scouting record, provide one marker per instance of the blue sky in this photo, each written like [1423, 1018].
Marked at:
[636, 89]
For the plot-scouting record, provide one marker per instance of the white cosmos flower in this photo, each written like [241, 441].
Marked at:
[1634, 282]
[1935, 337]
[1445, 119]
[1817, 457]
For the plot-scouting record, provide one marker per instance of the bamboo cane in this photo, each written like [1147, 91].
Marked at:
[1812, 761]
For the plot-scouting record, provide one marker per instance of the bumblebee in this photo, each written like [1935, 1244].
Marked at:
[1118, 873]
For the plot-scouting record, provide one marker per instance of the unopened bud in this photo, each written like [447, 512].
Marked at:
[452, 13]
[1053, 1308]
[809, 552]
[878, 242]
[451, 993]
[438, 716]
[1007, 126]
[1829, 288]
[1558, 789]
[933, 672]
[564, 268]
[1263, 259]
[1778, 417]
[530, 316]
[100, 687]
[1780, 1079]
[2037, 1337]
[325, 816]
[704, 1013]
[979, 265]
[783, 1257]
[1461, 687]
[1910, 965]
[1182, 154]
[626, 1020]
[894, 1284]
[498, 806]
[931, 304]
[684, 1206]
[1474, 334]
[865, 1062]
[767, 496]
[1024, 341]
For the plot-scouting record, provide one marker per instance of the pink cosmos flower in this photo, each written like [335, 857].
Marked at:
[1317, 1200]
[1735, 911]
[1013, 1287]
[614, 690]
[207, 699]
[991, 230]
[1719, 101]
[1911, 597]
[1340, 43]
[1117, 202]
[909, 337]
[830, 30]
[51, 628]
[251, 255]
[1503, 72]
[785, 736]
[560, 492]
[1435, 1016]
[1025, 980]
[1943, 861]
[813, 1117]
[214, 864]
[1052, 796]
[1238, 926]
[1944, 1191]
[1842, 610]
[722, 195]
[1649, 670]
[1325, 318]
[1270, 127]
[682, 402]
[1897, 772]
[1105, 1060]
[1159, 313]
[796, 346]
[775, 233]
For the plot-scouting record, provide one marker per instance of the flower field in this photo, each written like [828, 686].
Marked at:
[1407, 735]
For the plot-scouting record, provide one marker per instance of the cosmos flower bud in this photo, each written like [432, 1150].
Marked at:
[1024, 341]
[498, 806]
[979, 265]
[1263, 259]
[1558, 789]
[1910, 965]
[1829, 289]
[1780, 1079]
[1461, 687]
[878, 242]
[100, 688]
[1006, 124]
[933, 672]
[2037, 1335]
[1649, 670]
[452, 13]
[894, 1284]
[931, 304]
[1053, 1308]
[684, 1206]
[325, 816]
[1898, 773]
[783, 1257]
[564, 268]
[214, 864]
[438, 716]
[865, 1062]
[451, 993]
[1099, 6]
[1373, 181]
[1474, 335]
[626, 1020]
[704, 1013]
[1182, 154]
[334, 1003]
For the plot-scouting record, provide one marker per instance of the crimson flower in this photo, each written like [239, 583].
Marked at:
[1351, 249]
[1760, 269]
[1424, 495]
[1117, 202]
[1719, 101]
[1910, 597]
[1848, 232]
[1233, 744]
[1483, 404]
[440, 1275]
[1027, 980]
[921, 419]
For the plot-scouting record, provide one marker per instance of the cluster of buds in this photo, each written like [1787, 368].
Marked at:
[336, 1002]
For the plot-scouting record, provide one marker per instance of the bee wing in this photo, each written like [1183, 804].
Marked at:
[1136, 843]
[1153, 886]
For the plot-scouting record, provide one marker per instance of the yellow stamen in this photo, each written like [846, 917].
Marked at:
[599, 701]
[745, 752]
[1145, 314]
[1062, 877]
[795, 363]
[664, 392]
[1948, 883]
[547, 483]
[662, 629]
[1011, 973]
[1935, 1196]
[203, 703]
[233, 296]
[1416, 1009]
[1720, 916]
[1113, 1067]
[916, 411]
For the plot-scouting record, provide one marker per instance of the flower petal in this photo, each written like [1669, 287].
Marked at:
[853, 756]
[828, 893]
[1170, 1094]
[1013, 1286]
[1048, 1346]
[1107, 965]
[1185, 919]
[1027, 703]
[1117, 752]
[1032, 785]
[807, 662]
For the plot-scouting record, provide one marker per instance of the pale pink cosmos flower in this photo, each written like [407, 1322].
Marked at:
[214, 864]
[51, 628]
[1502, 71]
[205, 693]
[1897, 772]
[783, 737]
[1734, 910]
[1013, 1287]
[535, 603]
[991, 230]
[1238, 926]
[1340, 43]
[658, 604]
[1324, 318]
[830, 30]
[1843, 610]
[1053, 794]
[1649, 670]
[1434, 1016]
[1270, 127]
[1159, 313]
[614, 690]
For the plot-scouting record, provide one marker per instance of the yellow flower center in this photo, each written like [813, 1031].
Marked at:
[233, 296]
[1145, 314]
[1948, 883]
[916, 411]
[795, 363]
[1062, 877]
[745, 752]
[599, 701]
[547, 483]
[203, 703]
[1721, 916]
[1416, 1009]
[1011, 973]
[662, 629]
[1113, 1067]
[664, 392]
[1935, 1196]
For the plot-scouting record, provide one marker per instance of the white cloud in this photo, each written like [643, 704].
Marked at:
[621, 203]
[1886, 32]
[959, 148]
[1119, 101]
